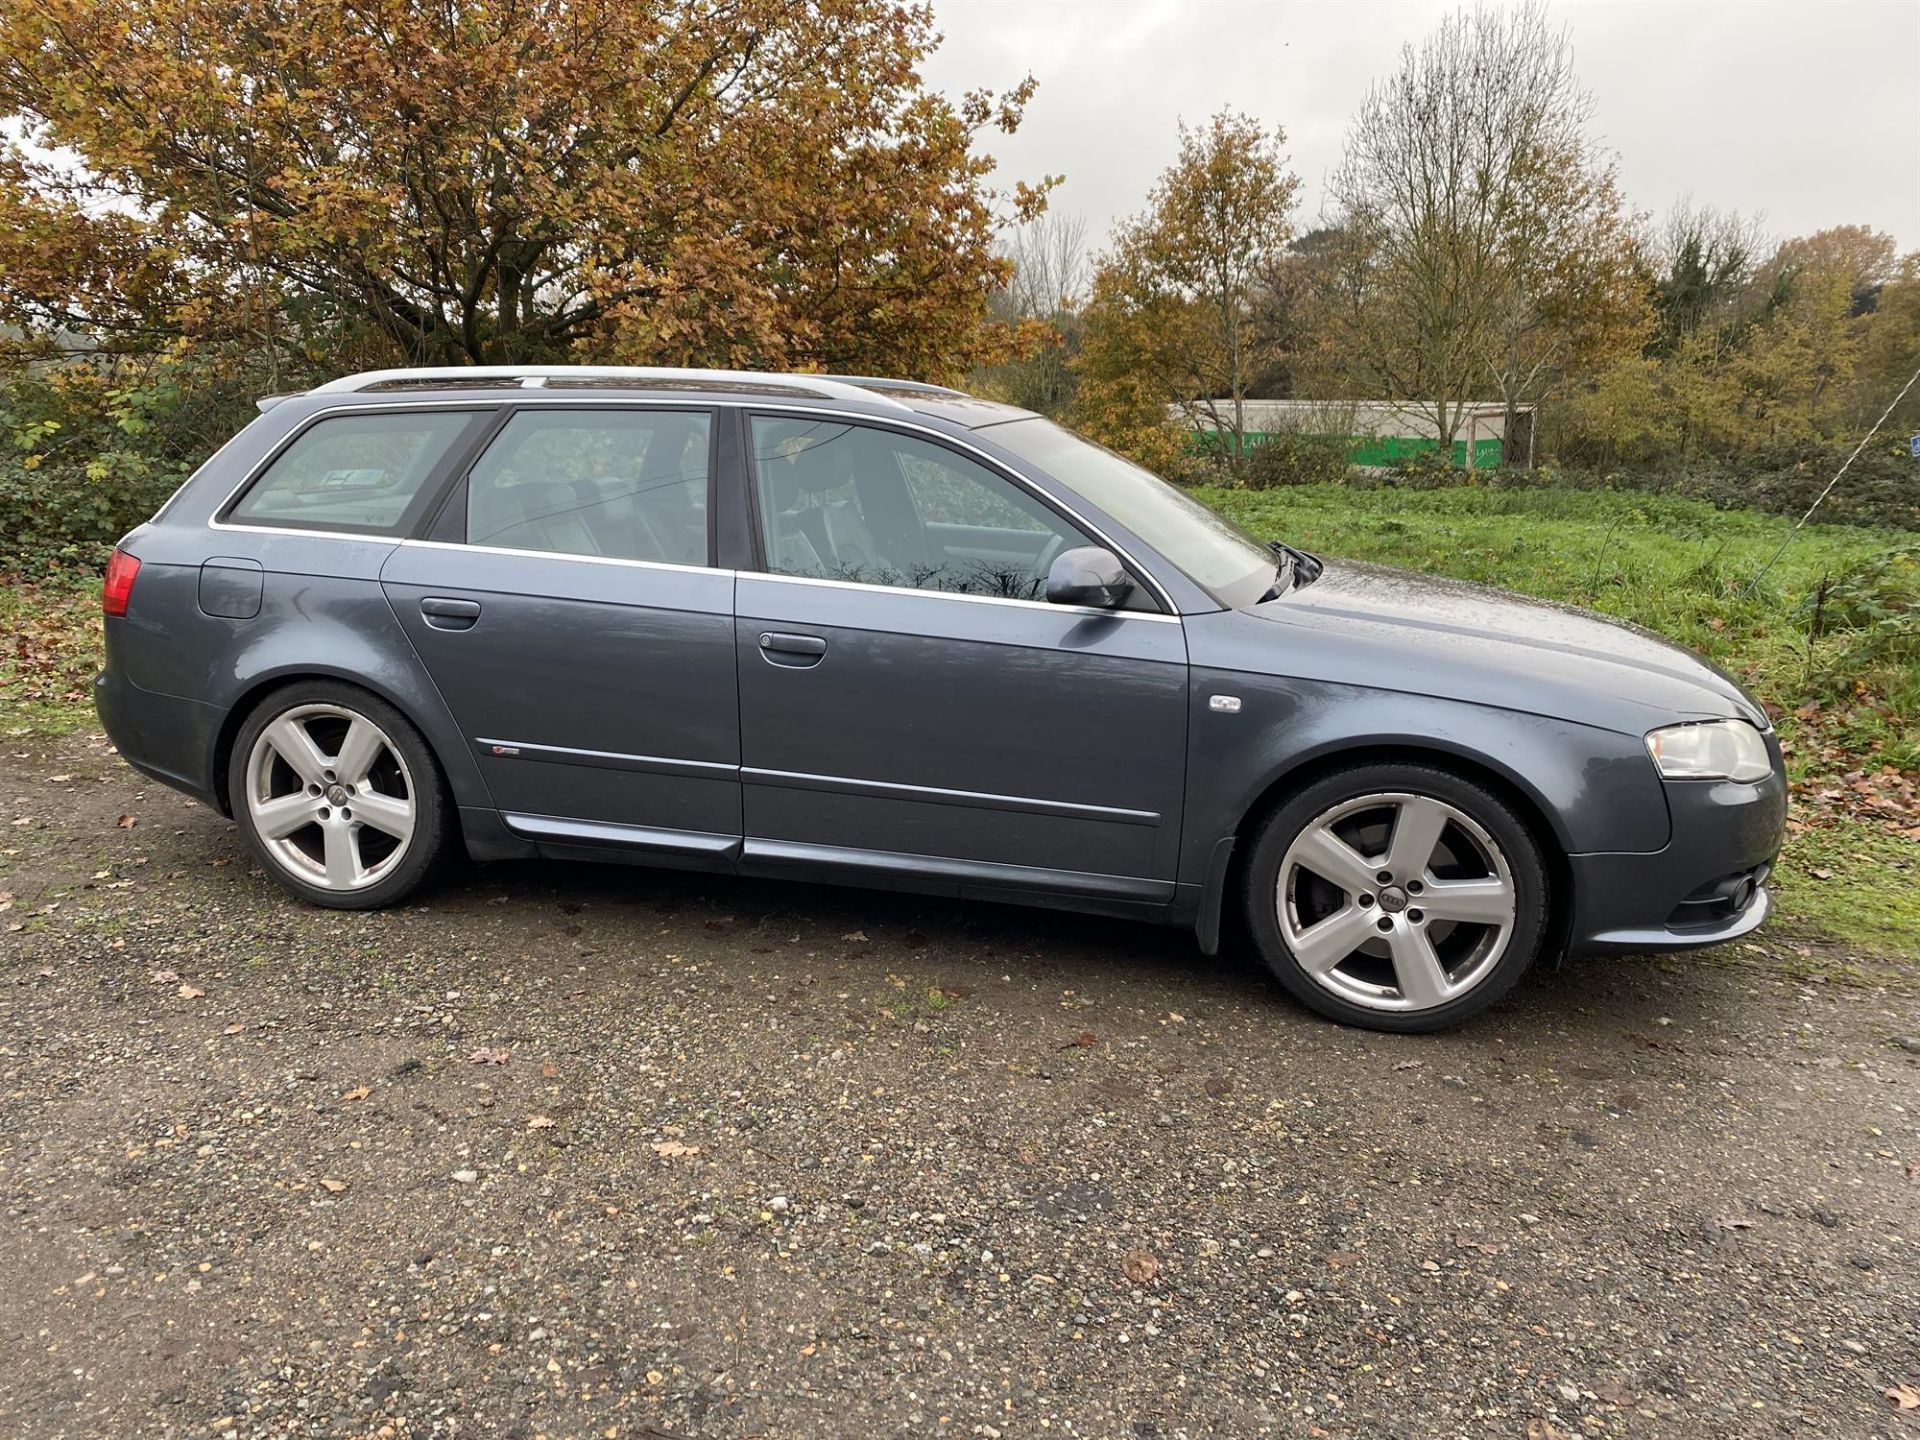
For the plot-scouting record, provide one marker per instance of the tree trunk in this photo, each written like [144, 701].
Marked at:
[1516, 443]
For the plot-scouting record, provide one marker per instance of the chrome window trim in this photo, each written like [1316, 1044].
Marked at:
[506, 401]
[363, 538]
[1047, 605]
[567, 555]
[285, 443]
[526, 400]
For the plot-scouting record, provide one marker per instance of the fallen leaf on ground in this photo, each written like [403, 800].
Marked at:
[486, 1056]
[1080, 1041]
[126, 822]
[549, 1069]
[190, 992]
[359, 1092]
[1139, 1266]
[233, 1029]
[540, 1122]
[1904, 1397]
[673, 1149]
[333, 1187]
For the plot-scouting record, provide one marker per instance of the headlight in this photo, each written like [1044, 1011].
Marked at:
[1710, 750]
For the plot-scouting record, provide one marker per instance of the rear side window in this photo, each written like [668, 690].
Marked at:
[362, 473]
[609, 484]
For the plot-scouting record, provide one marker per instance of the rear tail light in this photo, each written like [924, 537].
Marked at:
[117, 588]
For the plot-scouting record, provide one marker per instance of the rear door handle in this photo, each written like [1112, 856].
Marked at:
[793, 650]
[444, 614]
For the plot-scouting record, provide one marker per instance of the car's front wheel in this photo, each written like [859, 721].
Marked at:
[1397, 896]
[337, 795]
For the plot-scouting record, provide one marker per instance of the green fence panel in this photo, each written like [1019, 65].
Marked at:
[1380, 451]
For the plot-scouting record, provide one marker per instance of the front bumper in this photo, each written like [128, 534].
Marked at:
[1706, 887]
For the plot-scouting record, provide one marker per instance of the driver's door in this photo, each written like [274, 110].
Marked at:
[910, 705]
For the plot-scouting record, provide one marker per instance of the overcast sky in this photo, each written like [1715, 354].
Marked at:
[1806, 112]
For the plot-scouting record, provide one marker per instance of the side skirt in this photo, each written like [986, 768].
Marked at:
[491, 835]
[1125, 896]
[560, 839]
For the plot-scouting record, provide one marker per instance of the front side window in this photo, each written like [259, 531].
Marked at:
[361, 473]
[1230, 564]
[612, 484]
[841, 501]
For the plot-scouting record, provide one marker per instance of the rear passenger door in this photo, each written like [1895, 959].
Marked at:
[566, 605]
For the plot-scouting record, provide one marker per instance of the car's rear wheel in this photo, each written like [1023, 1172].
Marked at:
[1397, 896]
[337, 795]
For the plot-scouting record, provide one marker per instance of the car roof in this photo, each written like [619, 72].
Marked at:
[880, 396]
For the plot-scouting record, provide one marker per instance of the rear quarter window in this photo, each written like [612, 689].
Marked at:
[368, 474]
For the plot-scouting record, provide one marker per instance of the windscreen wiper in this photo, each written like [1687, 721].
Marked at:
[1306, 568]
[1283, 578]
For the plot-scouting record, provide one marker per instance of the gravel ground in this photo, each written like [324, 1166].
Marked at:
[596, 1151]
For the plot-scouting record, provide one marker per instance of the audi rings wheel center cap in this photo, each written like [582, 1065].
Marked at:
[337, 795]
[1393, 899]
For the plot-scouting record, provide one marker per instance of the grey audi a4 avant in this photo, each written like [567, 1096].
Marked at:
[888, 634]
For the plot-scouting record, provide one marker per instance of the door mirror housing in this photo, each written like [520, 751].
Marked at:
[1088, 575]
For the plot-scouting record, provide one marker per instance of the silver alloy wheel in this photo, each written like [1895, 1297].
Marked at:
[1396, 901]
[330, 796]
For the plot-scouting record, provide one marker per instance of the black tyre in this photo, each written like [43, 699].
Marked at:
[1396, 896]
[338, 796]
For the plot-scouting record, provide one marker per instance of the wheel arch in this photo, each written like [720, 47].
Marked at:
[1547, 829]
[258, 687]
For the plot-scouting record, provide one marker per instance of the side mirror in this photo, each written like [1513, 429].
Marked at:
[1088, 576]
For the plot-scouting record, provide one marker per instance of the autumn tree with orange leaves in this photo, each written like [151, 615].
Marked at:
[708, 182]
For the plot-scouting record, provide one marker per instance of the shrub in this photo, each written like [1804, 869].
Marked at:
[90, 448]
[1427, 470]
[1874, 608]
[1295, 459]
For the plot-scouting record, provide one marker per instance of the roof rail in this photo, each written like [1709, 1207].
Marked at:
[881, 382]
[532, 376]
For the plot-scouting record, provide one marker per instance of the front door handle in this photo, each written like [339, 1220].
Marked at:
[792, 650]
[444, 614]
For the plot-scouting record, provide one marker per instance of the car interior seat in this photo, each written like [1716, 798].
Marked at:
[833, 528]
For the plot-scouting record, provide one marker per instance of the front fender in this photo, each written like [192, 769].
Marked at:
[1594, 788]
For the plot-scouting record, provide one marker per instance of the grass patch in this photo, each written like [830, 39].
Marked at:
[1855, 882]
[51, 654]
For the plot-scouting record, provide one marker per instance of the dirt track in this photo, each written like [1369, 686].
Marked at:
[593, 1151]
